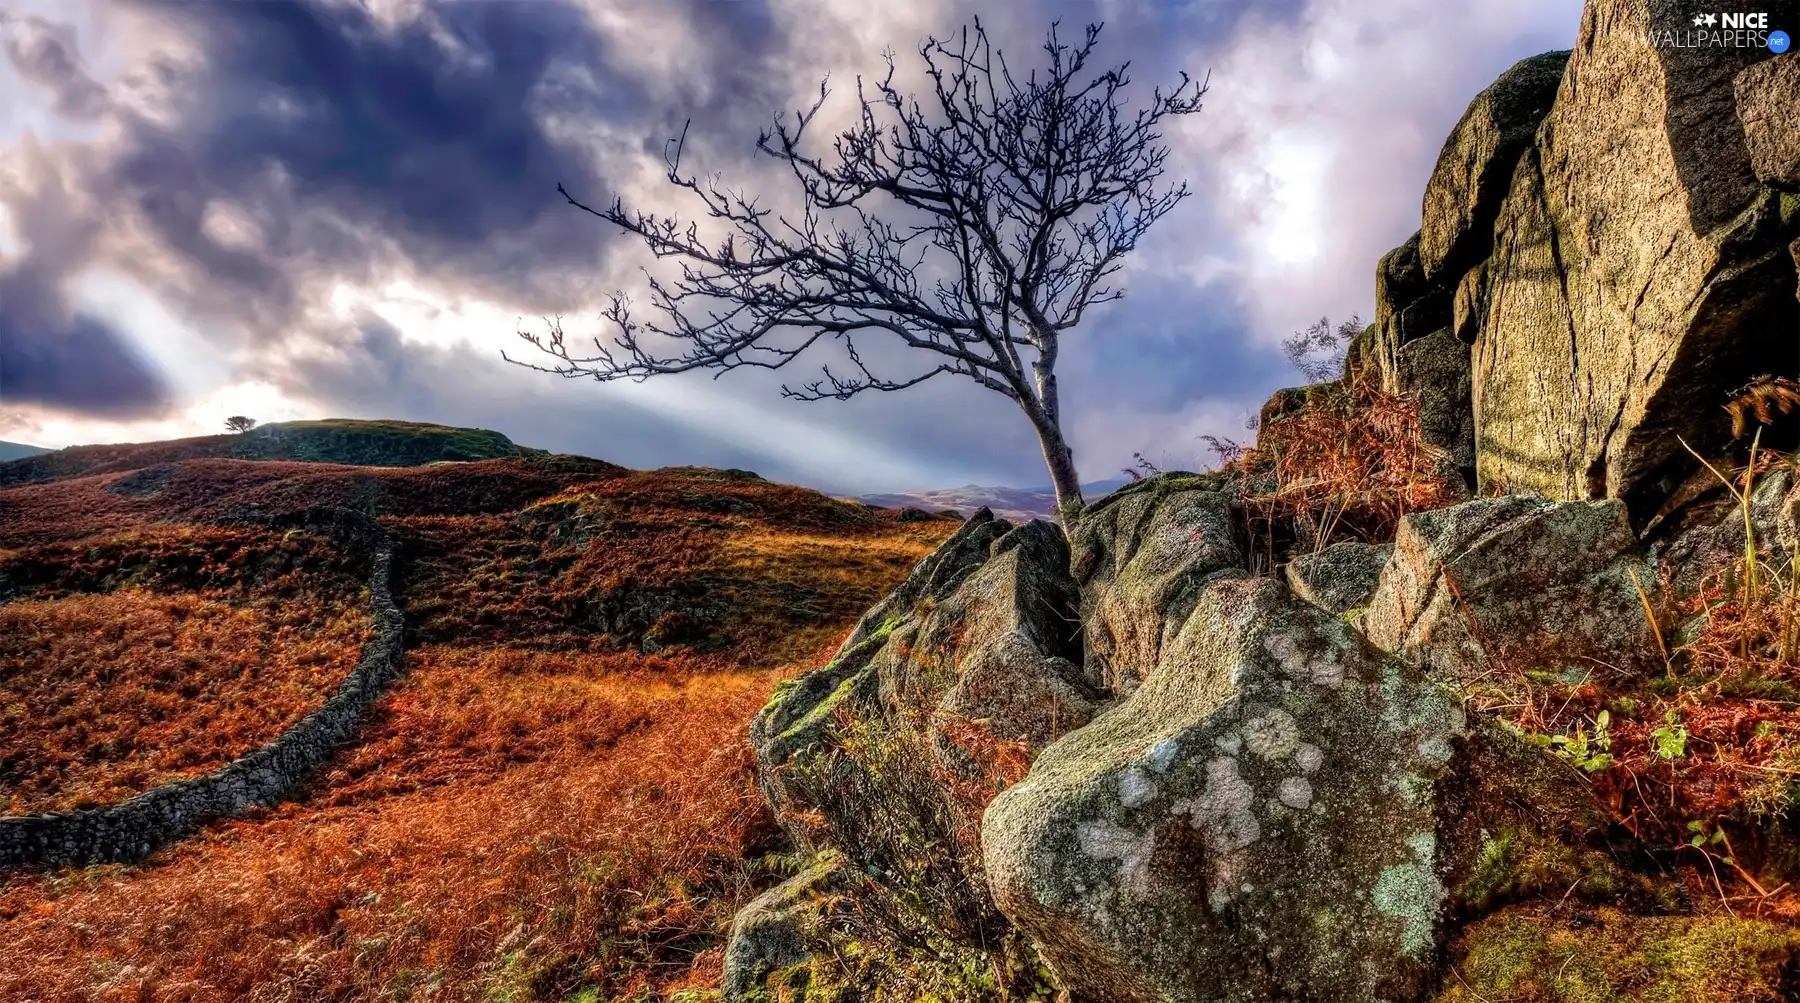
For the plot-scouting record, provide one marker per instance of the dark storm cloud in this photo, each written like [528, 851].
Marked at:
[344, 138]
[71, 361]
[347, 135]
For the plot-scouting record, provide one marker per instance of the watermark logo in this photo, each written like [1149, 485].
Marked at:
[1722, 30]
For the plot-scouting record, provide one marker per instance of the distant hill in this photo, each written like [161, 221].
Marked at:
[335, 440]
[1014, 504]
[18, 451]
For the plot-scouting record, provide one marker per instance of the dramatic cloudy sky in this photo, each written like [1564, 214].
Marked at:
[347, 208]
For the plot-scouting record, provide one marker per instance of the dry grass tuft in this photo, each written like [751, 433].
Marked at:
[1339, 460]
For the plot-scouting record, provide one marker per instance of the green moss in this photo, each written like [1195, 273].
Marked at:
[1538, 955]
[1514, 866]
[822, 711]
[871, 970]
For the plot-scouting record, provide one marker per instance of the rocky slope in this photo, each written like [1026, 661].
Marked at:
[1531, 739]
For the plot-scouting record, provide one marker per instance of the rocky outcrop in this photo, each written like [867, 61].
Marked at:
[263, 778]
[1707, 536]
[1639, 271]
[1517, 583]
[1475, 167]
[774, 931]
[1140, 559]
[942, 694]
[1767, 95]
[1340, 578]
[1278, 812]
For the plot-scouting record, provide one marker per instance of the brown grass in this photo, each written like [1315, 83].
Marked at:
[538, 810]
[104, 696]
[517, 825]
[1348, 463]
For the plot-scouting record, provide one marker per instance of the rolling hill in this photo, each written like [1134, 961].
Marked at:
[554, 801]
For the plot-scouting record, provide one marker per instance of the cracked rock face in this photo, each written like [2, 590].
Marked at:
[1141, 559]
[1476, 164]
[1639, 271]
[1279, 812]
[1767, 95]
[1516, 583]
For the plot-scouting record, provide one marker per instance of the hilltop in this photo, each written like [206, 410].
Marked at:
[1016, 504]
[334, 440]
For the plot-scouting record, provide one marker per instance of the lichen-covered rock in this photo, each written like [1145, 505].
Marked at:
[938, 699]
[1768, 93]
[1517, 582]
[1140, 561]
[1434, 372]
[1639, 272]
[1474, 169]
[1340, 578]
[775, 930]
[1279, 812]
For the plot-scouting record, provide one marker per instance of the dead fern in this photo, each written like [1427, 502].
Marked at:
[1761, 398]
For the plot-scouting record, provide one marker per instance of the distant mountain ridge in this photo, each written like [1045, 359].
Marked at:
[19, 450]
[1013, 504]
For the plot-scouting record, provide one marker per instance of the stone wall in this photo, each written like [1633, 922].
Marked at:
[265, 777]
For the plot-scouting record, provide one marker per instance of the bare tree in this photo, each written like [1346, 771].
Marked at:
[977, 233]
[239, 423]
[1319, 351]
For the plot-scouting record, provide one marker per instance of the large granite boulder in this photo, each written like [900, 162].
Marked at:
[1339, 578]
[1474, 169]
[1140, 557]
[1639, 271]
[1279, 812]
[1517, 583]
[1768, 98]
[937, 700]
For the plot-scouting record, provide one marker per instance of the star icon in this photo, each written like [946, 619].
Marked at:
[1699, 19]
[1712, 19]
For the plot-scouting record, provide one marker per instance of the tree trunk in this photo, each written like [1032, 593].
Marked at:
[1061, 461]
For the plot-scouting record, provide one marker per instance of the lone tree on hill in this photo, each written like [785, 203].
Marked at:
[976, 228]
[239, 423]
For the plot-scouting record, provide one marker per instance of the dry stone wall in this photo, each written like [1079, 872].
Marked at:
[262, 778]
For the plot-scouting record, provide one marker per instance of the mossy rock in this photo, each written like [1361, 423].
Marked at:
[1538, 954]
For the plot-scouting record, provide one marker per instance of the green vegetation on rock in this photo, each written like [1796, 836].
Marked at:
[1540, 955]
